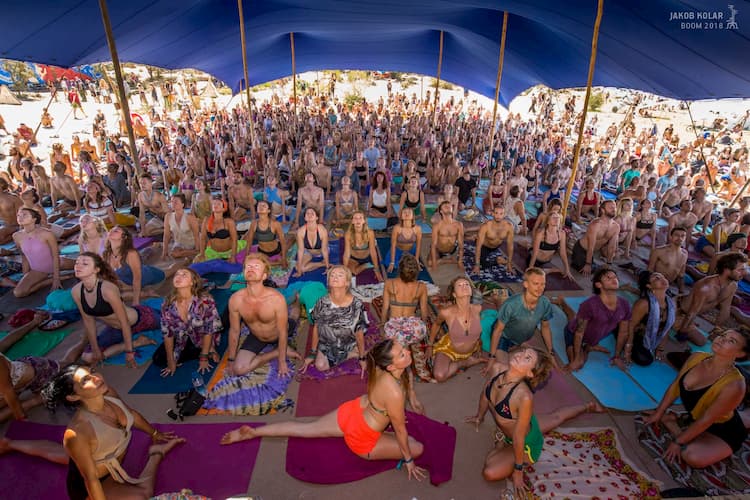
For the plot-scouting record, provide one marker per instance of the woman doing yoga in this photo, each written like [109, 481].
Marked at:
[363, 420]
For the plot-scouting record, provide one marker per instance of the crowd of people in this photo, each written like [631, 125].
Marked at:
[235, 191]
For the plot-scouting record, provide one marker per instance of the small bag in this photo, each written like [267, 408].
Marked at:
[188, 404]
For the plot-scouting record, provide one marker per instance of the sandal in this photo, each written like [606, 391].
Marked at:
[53, 324]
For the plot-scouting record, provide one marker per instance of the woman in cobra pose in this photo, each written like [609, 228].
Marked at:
[716, 241]
[459, 348]
[413, 197]
[312, 244]
[406, 237]
[379, 204]
[133, 276]
[362, 421]
[588, 201]
[360, 247]
[402, 297]
[347, 202]
[645, 224]
[187, 185]
[711, 388]
[181, 226]
[97, 439]
[98, 285]
[218, 239]
[548, 241]
[201, 204]
[275, 197]
[495, 193]
[93, 237]
[626, 221]
[554, 193]
[268, 235]
[509, 397]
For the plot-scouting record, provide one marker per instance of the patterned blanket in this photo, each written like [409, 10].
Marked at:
[495, 273]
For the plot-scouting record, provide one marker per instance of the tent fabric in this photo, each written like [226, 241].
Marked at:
[7, 97]
[642, 45]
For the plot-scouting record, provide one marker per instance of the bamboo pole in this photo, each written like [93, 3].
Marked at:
[39, 125]
[247, 76]
[500, 62]
[700, 148]
[124, 105]
[439, 69]
[739, 194]
[294, 75]
[582, 125]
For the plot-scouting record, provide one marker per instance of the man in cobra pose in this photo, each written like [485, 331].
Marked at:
[715, 291]
[491, 235]
[64, 187]
[155, 203]
[670, 260]
[447, 237]
[9, 205]
[702, 209]
[673, 197]
[241, 200]
[264, 312]
[602, 234]
[685, 218]
[310, 196]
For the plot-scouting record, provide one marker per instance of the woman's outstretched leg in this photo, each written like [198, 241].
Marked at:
[325, 426]
[387, 448]
[550, 421]
[48, 450]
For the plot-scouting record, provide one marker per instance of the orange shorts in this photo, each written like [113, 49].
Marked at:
[358, 436]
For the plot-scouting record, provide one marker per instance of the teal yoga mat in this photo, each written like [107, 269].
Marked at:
[641, 388]
[384, 245]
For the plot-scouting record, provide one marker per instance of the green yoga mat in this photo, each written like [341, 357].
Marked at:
[36, 343]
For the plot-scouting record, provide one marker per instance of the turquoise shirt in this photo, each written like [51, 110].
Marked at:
[520, 323]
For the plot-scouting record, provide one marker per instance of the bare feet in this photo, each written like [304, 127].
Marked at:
[5, 446]
[595, 407]
[142, 340]
[164, 448]
[244, 433]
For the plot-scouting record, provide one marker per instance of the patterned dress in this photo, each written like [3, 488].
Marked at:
[203, 319]
[337, 326]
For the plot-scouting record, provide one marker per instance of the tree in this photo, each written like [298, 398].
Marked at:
[20, 72]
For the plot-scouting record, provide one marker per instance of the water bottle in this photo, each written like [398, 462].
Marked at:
[198, 384]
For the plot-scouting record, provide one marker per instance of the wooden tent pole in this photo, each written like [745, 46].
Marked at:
[439, 69]
[582, 125]
[39, 125]
[497, 86]
[700, 148]
[125, 106]
[294, 75]
[247, 76]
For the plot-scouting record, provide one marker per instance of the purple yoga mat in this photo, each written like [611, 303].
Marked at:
[303, 456]
[141, 243]
[200, 464]
[317, 398]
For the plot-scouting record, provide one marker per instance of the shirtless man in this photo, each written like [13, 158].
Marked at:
[715, 291]
[491, 235]
[702, 208]
[685, 218]
[322, 173]
[310, 196]
[63, 187]
[602, 234]
[671, 200]
[264, 311]
[9, 205]
[670, 260]
[447, 237]
[153, 202]
[241, 199]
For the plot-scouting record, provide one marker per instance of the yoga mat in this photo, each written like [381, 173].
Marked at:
[70, 250]
[141, 243]
[556, 392]
[317, 398]
[555, 281]
[143, 354]
[641, 388]
[334, 257]
[384, 246]
[151, 382]
[494, 273]
[227, 473]
[36, 343]
[304, 456]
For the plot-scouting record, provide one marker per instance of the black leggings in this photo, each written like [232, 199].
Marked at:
[75, 484]
[189, 353]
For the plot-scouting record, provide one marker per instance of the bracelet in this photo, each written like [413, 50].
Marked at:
[518, 467]
[403, 462]
[203, 357]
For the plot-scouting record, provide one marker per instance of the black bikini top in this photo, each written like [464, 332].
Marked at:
[101, 307]
[221, 234]
[501, 407]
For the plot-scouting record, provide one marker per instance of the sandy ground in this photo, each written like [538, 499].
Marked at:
[448, 402]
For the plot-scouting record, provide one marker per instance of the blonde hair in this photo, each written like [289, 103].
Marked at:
[101, 229]
[343, 268]
[620, 205]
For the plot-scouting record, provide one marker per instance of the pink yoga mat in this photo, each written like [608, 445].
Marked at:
[200, 464]
[317, 398]
[141, 243]
[329, 461]
[557, 392]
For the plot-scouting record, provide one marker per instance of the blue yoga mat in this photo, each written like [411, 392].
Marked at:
[69, 250]
[151, 382]
[334, 257]
[384, 246]
[641, 388]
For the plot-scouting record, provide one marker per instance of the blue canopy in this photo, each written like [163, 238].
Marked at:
[685, 49]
